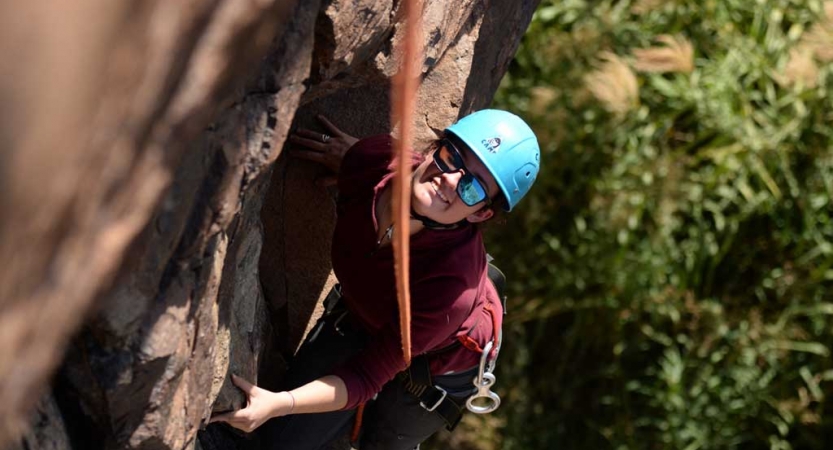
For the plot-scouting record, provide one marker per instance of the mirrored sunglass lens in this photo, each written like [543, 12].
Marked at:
[470, 190]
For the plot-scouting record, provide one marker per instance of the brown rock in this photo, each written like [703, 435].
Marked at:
[48, 430]
[168, 207]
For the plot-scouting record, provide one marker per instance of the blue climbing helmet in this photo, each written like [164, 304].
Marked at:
[507, 147]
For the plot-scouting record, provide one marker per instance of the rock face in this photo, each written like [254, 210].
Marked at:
[168, 228]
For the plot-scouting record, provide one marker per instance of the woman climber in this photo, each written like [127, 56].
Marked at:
[485, 161]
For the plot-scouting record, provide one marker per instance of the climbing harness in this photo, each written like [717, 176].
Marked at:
[444, 395]
[447, 395]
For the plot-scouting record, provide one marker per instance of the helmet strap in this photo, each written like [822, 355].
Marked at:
[433, 224]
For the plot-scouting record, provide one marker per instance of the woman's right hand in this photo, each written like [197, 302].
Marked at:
[325, 149]
[261, 405]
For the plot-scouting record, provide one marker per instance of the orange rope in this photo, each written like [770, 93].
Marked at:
[357, 424]
[406, 83]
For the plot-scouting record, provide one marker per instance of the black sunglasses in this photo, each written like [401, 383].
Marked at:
[470, 189]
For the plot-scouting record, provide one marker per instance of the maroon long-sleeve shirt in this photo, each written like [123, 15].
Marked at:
[449, 281]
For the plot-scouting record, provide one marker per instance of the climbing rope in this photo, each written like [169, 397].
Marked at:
[405, 85]
[355, 433]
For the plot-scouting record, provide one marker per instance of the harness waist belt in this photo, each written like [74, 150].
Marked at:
[444, 395]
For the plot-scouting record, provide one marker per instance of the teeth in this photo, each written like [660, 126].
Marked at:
[436, 188]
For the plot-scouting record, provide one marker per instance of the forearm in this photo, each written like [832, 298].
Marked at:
[322, 395]
[325, 394]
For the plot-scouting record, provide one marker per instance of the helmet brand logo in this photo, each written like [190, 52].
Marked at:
[492, 144]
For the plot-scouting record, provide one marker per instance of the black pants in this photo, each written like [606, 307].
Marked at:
[394, 420]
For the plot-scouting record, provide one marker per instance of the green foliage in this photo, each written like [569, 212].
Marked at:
[670, 273]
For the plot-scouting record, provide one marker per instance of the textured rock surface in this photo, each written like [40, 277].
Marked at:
[101, 101]
[202, 252]
[48, 432]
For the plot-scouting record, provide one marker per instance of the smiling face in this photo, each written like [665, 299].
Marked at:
[434, 193]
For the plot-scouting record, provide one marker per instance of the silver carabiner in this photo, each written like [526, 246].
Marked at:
[483, 382]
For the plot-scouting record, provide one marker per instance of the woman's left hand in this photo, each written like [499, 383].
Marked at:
[261, 406]
[325, 149]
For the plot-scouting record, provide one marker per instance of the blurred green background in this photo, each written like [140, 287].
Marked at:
[670, 274]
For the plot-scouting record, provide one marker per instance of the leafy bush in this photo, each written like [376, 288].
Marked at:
[671, 272]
